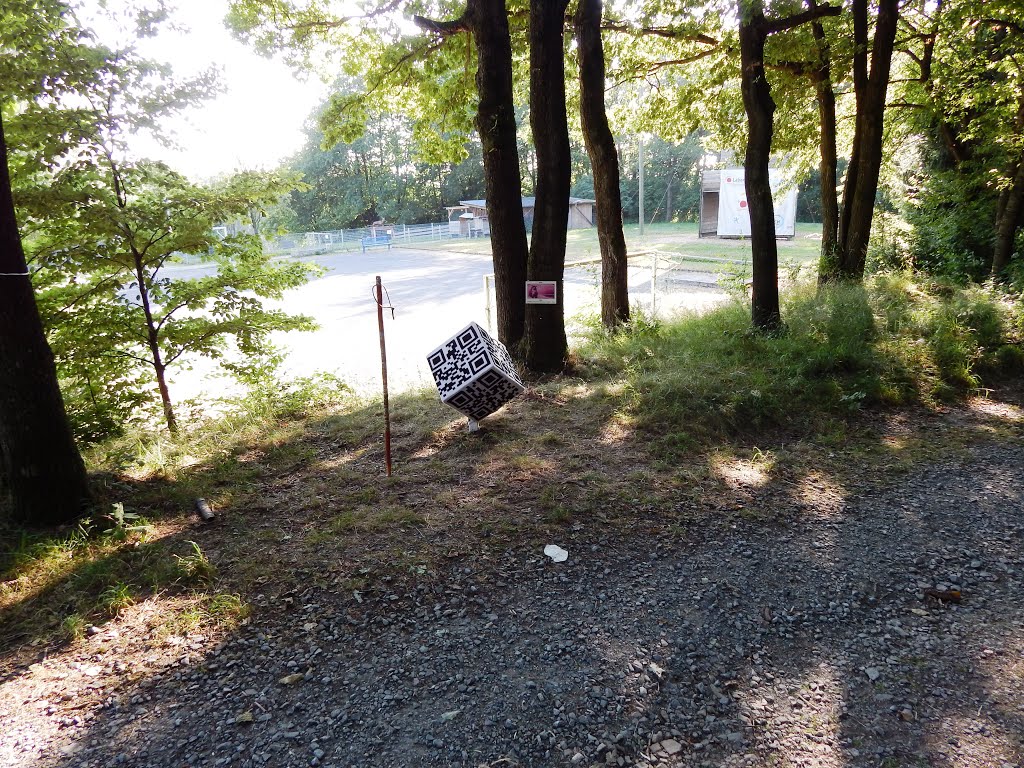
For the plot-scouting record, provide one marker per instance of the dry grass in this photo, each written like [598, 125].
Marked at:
[305, 500]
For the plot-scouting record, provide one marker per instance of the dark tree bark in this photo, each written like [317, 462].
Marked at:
[41, 470]
[821, 76]
[487, 21]
[496, 124]
[545, 346]
[760, 109]
[604, 160]
[1010, 213]
[866, 156]
[1010, 219]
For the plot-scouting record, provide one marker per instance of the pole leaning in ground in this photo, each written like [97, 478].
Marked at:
[378, 295]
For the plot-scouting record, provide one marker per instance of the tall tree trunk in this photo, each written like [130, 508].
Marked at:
[1010, 212]
[866, 157]
[604, 161]
[821, 75]
[760, 109]
[1008, 221]
[487, 22]
[41, 470]
[668, 190]
[496, 124]
[545, 344]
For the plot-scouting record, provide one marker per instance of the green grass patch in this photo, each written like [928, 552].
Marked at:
[55, 584]
[648, 427]
[892, 341]
[369, 520]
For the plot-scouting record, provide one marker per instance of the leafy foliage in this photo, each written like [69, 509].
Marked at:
[102, 229]
[117, 309]
[894, 341]
[373, 178]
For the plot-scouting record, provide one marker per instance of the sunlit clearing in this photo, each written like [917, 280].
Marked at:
[337, 462]
[619, 429]
[820, 493]
[440, 438]
[577, 392]
[894, 442]
[978, 734]
[739, 473]
[615, 388]
[802, 712]
[995, 410]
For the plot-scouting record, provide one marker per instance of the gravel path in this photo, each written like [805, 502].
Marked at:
[810, 642]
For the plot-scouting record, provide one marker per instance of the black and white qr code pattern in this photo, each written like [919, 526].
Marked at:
[458, 360]
[485, 395]
[502, 360]
[474, 373]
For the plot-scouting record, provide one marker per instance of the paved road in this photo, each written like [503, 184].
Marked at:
[435, 293]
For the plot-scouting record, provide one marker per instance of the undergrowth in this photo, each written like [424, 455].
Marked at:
[61, 583]
[298, 463]
[893, 341]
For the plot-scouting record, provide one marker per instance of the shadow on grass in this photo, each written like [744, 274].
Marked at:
[776, 616]
[303, 506]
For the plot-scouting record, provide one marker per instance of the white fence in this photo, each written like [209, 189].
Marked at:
[311, 243]
[659, 286]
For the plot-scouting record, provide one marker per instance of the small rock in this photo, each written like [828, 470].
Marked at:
[671, 746]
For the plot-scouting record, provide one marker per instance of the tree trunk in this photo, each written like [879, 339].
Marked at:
[496, 124]
[604, 161]
[41, 470]
[826, 98]
[1010, 212]
[153, 340]
[1011, 215]
[668, 191]
[760, 109]
[545, 345]
[866, 157]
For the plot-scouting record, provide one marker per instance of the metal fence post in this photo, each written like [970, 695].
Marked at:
[487, 302]
[654, 284]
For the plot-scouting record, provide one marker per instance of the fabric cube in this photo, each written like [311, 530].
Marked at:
[474, 373]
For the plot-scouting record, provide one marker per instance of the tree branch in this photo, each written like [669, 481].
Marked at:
[675, 34]
[771, 26]
[341, 21]
[656, 66]
[443, 28]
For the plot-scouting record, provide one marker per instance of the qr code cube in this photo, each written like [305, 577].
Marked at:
[474, 373]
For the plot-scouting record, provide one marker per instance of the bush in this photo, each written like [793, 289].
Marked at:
[846, 347]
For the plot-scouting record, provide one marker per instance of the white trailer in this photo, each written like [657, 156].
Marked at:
[723, 204]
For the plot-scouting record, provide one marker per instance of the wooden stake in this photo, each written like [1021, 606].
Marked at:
[384, 375]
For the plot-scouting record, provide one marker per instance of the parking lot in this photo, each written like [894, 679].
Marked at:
[434, 294]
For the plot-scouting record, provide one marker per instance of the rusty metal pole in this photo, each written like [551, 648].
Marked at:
[384, 375]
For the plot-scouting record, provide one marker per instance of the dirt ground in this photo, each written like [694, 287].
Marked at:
[828, 607]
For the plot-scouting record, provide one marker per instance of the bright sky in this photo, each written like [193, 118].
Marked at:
[255, 123]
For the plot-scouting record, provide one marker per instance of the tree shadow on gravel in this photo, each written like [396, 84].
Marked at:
[709, 618]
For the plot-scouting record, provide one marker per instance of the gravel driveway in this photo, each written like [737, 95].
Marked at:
[810, 642]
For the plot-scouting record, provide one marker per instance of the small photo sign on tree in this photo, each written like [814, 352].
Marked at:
[541, 292]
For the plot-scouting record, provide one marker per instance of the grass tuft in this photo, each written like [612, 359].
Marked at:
[658, 421]
[892, 341]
